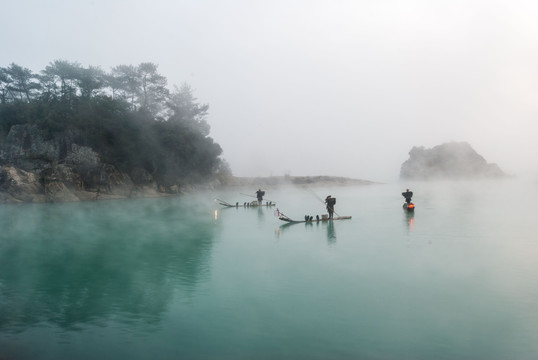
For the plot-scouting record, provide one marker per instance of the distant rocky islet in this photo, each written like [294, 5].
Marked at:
[453, 160]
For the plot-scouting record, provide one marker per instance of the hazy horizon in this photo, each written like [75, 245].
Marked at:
[316, 87]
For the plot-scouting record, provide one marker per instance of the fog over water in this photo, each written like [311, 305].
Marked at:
[183, 277]
[316, 87]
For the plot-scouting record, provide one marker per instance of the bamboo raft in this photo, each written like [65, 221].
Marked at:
[323, 218]
[245, 204]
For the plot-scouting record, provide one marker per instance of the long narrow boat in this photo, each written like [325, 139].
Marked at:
[245, 204]
[312, 220]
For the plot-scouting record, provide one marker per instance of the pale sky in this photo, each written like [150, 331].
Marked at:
[311, 87]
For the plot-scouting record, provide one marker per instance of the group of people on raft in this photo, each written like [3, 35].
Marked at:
[330, 201]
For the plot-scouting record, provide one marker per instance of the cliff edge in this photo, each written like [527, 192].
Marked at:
[35, 167]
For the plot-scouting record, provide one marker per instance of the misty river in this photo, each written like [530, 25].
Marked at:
[182, 277]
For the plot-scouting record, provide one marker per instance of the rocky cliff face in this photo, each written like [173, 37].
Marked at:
[36, 168]
[450, 160]
[26, 148]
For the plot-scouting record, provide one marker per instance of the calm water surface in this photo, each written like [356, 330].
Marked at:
[185, 278]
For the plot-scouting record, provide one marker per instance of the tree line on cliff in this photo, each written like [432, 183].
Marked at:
[128, 116]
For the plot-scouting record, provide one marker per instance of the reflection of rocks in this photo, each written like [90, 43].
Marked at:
[95, 268]
[452, 160]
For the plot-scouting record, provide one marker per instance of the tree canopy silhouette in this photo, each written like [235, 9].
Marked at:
[128, 116]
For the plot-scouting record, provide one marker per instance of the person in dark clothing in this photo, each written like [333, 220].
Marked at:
[407, 195]
[259, 195]
[330, 201]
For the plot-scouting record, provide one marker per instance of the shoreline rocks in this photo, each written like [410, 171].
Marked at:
[37, 167]
[61, 184]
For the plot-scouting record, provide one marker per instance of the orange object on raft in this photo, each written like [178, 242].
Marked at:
[409, 207]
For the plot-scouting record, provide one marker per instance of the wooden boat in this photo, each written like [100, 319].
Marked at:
[245, 204]
[312, 219]
[409, 207]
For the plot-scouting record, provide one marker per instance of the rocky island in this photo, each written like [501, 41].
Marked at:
[450, 160]
[73, 133]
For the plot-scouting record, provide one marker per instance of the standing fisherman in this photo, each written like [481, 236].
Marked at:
[407, 195]
[330, 201]
[259, 195]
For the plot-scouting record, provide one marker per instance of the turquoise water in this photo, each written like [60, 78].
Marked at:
[185, 278]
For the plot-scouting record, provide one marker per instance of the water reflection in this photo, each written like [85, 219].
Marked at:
[331, 233]
[261, 213]
[309, 226]
[72, 264]
[409, 219]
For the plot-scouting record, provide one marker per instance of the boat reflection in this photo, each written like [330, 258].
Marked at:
[331, 233]
[409, 219]
[310, 226]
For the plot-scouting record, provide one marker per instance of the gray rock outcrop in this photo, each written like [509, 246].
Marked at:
[35, 167]
[17, 185]
[449, 160]
[27, 148]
